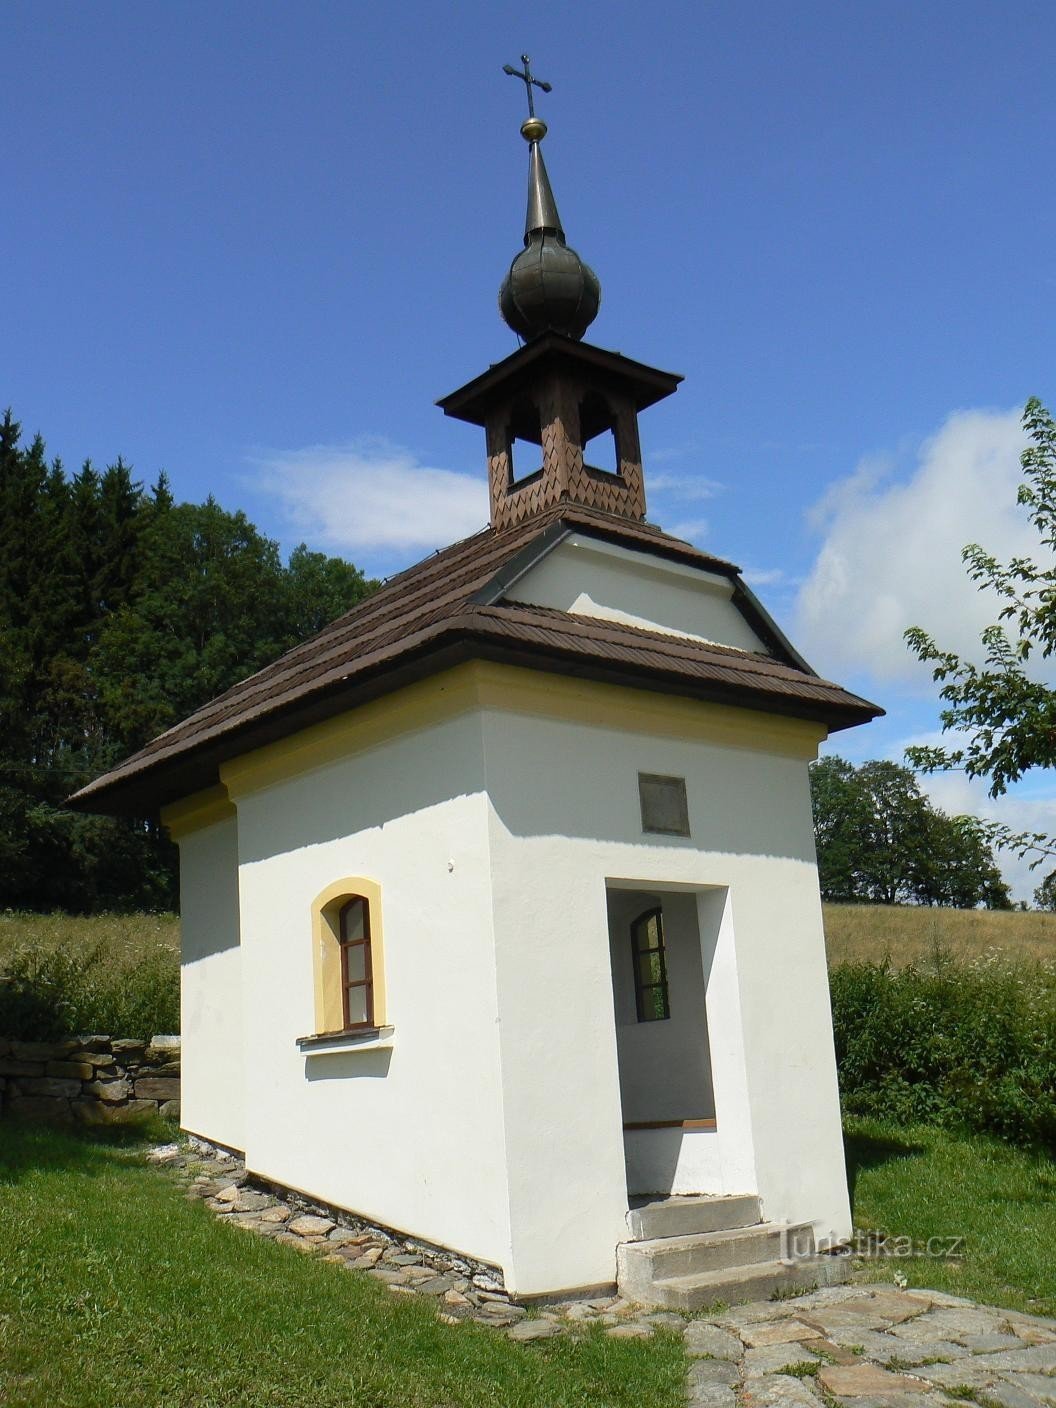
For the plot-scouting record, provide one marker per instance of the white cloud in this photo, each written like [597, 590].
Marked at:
[370, 495]
[691, 487]
[766, 576]
[891, 554]
[693, 530]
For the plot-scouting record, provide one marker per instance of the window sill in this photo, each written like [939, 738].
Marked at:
[361, 1039]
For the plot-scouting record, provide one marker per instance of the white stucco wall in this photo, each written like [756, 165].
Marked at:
[212, 1073]
[564, 824]
[410, 1134]
[592, 578]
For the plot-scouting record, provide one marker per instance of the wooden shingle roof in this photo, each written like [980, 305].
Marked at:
[460, 604]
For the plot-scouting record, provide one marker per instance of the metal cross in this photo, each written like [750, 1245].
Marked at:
[527, 79]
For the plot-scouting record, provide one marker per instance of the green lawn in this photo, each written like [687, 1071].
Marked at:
[922, 1182]
[117, 1292]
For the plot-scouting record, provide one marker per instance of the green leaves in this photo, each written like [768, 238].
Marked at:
[1007, 719]
[969, 1045]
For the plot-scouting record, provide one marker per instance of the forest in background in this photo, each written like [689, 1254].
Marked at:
[121, 611]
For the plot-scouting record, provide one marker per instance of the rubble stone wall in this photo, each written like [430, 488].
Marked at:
[90, 1079]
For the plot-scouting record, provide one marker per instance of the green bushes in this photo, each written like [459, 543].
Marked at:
[48, 994]
[970, 1045]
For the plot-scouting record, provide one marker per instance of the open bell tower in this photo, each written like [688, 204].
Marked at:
[556, 392]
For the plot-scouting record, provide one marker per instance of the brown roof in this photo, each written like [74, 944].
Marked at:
[454, 606]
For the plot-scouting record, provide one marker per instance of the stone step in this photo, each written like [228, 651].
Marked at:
[682, 1216]
[639, 1264]
[733, 1285]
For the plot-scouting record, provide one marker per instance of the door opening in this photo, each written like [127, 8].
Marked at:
[662, 1046]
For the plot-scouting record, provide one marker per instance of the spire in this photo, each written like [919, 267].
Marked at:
[542, 217]
[548, 287]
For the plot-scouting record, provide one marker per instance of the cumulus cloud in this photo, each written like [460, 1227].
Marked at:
[370, 496]
[891, 550]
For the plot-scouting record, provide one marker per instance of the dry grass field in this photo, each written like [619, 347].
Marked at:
[902, 933]
[852, 932]
[121, 938]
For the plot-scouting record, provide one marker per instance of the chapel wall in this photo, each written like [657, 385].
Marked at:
[211, 991]
[406, 1128]
[565, 824]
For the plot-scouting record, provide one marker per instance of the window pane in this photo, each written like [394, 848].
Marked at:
[650, 974]
[356, 958]
[353, 921]
[654, 1004]
[647, 934]
[649, 968]
[357, 1005]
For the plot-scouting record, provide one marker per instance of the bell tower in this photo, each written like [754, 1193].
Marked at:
[557, 392]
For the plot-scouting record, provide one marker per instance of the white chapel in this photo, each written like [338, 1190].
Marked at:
[500, 913]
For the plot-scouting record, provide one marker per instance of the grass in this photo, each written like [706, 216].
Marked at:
[122, 938]
[853, 932]
[922, 1183]
[114, 1289]
[905, 933]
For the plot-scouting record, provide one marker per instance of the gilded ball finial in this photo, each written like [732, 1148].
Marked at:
[533, 129]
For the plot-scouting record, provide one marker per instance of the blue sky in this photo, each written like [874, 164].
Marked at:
[252, 244]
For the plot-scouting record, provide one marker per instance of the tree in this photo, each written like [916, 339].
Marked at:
[880, 841]
[1045, 894]
[1006, 716]
[121, 611]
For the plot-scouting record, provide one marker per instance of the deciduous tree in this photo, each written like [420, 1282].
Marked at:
[1004, 714]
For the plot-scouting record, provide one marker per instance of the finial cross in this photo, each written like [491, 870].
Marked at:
[528, 81]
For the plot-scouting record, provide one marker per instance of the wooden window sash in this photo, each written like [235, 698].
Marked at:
[640, 950]
[348, 985]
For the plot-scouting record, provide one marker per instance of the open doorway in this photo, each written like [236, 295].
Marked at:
[659, 997]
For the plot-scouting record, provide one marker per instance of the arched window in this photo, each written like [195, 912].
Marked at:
[348, 957]
[357, 976]
[650, 966]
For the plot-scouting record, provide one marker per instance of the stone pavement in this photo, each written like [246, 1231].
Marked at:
[871, 1347]
[842, 1347]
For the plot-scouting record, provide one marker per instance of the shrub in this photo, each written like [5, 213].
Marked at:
[969, 1045]
[46, 994]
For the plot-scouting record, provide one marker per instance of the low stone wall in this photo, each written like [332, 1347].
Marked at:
[90, 1079]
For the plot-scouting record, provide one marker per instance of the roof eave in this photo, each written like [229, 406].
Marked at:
[144, 793]
[472, 401]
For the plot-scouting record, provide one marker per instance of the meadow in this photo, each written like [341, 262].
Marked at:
[853, 933]
[902, 934]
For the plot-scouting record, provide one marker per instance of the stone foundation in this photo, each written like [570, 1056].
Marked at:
[90, 1080]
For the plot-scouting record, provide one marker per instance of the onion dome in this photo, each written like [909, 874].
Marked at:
[548, 287]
